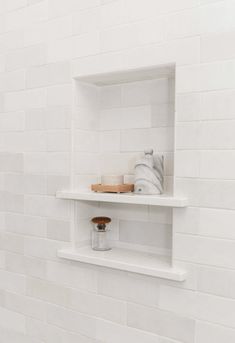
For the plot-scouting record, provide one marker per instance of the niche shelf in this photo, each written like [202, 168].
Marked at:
[116, 116]
[128, 260]
[124, 198]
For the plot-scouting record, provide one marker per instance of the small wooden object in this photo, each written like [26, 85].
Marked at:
[101, 220]
[125, 188]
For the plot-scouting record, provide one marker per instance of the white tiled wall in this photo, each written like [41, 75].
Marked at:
[43, 43]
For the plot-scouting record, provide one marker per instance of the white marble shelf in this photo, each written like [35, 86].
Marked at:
[125, 198]
[128, 260]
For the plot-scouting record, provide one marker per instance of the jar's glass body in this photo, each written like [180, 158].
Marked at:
[100, 239]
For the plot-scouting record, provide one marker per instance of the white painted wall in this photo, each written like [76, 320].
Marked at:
[42, 45]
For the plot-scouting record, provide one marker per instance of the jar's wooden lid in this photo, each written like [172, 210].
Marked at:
[101, 220]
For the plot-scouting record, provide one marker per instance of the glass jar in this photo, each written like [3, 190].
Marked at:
[100, 234]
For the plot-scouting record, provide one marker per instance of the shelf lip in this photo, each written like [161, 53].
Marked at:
[127, 198]
[164, 272]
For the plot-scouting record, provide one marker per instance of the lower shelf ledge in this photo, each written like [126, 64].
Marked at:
[127, 260]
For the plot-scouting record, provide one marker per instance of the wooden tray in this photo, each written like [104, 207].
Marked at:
[125, 188]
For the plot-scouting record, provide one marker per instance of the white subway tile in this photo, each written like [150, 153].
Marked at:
[217, 135]
[35, 141]
[58, 28]
[85, 45]
[212, 220]
[188, 106]
[206, 332]
[35, 205]
[35, 119]
[58, 230]
[35, 163]
[14, 202]
[187, 163]
[217, 164]
[12, 282]
[11, 40]
[35, 34]
[216, 309]
[110, 141]
[125, 211]
[25, 305]
[98, 306]
[171, 299]
[71, 320]
[159, 322]
[159, 214]
[26, 225]
[209, 189]
[15, 101]
[57, 163]
[26, 16]
[126, 118]
[187, 135]
[58, 117]
[12, 321]
[119, 38]
[162, 138]
[59, 95]
[35, 328]
[156, 235]
[87, 141]
[110, 96]
[118, 163]
[62, 7]
[182, 51]
[34, 184]
[210, 44]
[100, 63]
[114, 333]
[58, 140]
[111, 119]
[187, 221]
[152, 8]
[162, 115]
[217, 17]
[87, 163]
[183, 24]
[14, 183]
[73, 275]
[12, 121]
[210, 251]
[210, 76]
[11, 162]
[59, 50]
[47, 291]
[29, 56]
[14, 4]
[56, 182]
[54, 73]
[218, 105]
[135, 140]
[26, 265]
[131, 288]
[86, 21]
[41, 248]
[215, 281]
[13, 243]
[12, 81]
[2, 63]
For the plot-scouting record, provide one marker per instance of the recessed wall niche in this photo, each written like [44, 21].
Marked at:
[116, 116]
[116, 119]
